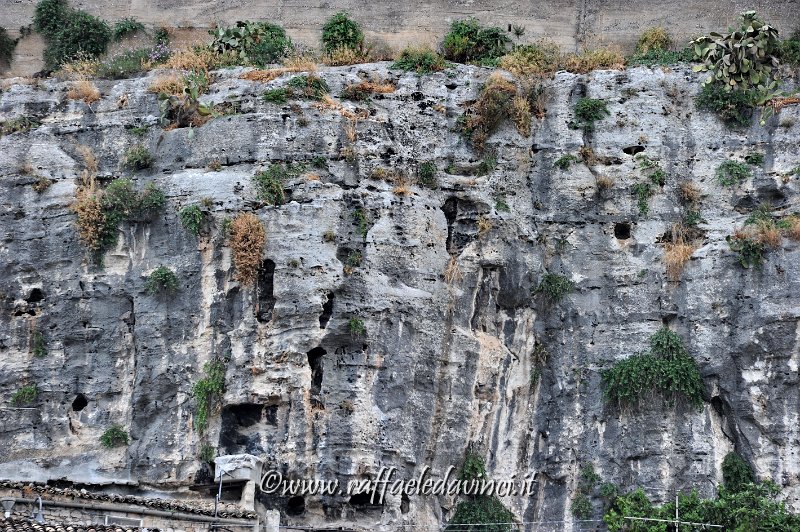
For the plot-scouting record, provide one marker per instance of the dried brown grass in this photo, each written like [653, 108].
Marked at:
[794, 227]
[689, 192]
[198, 58]
[170, 84]
[84, 90]
[521, 114]
[247, 238]
[604, 182]
[484, 226]
[343, 56]
[452, 272]
[588, 60]
[86, 206]
[677, 253]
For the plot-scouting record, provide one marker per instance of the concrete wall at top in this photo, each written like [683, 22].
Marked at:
[571, 23]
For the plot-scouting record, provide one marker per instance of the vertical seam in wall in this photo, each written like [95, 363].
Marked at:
[580, 22]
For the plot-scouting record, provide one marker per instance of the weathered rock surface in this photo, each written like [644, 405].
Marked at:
[443, 366]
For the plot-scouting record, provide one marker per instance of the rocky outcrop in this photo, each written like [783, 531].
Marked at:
[444, 365]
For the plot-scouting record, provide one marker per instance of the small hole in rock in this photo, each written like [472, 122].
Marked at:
[79, 403]
[633, 150]
[622, 230]
[35, 296]
[295, 506]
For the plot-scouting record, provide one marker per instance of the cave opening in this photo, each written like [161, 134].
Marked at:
[327, 311]
[79, 403]
[622, 230]
[265, 302]
[315, 363]
[295, 506]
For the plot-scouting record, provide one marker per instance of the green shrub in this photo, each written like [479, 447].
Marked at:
[666, 369]
[38, 344]
[742, 58]
[487, 514]
[275, 96]
[554, 287]
[192, 218]
[581, 506]
[469, 42]
[77, 33]
[269, 184]
[25, 395]
[736, 473]
[755, 159]
[735, 107]
[427, 174]
[7, 45]
[588, 111]
[420, 60]
[208, 392]
[125, 27]
[114, 436]
[732, 173]
[789, 51]
[655, 38]
[49, 15]
[259, 43]
[162, 279]
[310, 87]
[749, 247]
[643, 193]
[565, 161]
[340, 31]
[207, 454]
[501, 205]
[494, 105]
[22, 124]
[124, 65]
[138, 158]
[535, 59]
[656, 56]
[357, 327]
[361, 221]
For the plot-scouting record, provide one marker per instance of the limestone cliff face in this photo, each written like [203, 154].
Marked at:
[443, 366]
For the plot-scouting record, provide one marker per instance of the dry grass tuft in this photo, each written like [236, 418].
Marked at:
[247, 237]
[452, 272]
[604, 182]
[521, 114]
[677, 253]
[793, 231]
[171, 84]
[484, 226]
[351, 130]
[198, 58]
[588, 156]
[263, 76]
[300, 63]
[86, 206]
[343, 56]
[769, 235]
[82, 68]
[588, 60]
[689, 192]
[84, 90]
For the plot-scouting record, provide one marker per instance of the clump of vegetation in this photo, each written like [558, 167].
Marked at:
[565, 161]
[247, 238]
[207, 454]
[469, 42]
[587, 112]
[653, 48]
[754, 159]
[192, 218]
[340, 31]
[489, 111]
[278, 96]
[38, 344]
[25, 396]
[420, 60]
[554, 287]
[84, 90]
[124, 65]
[581, 505]
[643, 193]
[208, 392]
[257, 43]
[479, 511]
[790, 49]
[740, 59]
[736, 473]
[734, 107]
[652, 170]
[22, 124]
[731, 173]
[655, 38]
[125, 27]
[360, 217]
[178, 99]
[427, 174]
[7, 45]
[354, 260]
[114, 436]
[501, 205]
[357, 327]
[538, 59]
[161, 280]
[363, 90]
[590, 60]
[69, 33]
[761, 232]
[269, 184]
[677, 252]
[308, 87]
[138, 158]
[100, 211]
[666, 369]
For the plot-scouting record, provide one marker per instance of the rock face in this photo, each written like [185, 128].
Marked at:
[444, 365]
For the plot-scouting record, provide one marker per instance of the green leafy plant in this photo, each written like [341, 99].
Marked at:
[74, 33]
[310, 87]
[361, 221]
[269, 184]
[208, 392]
[666, 369]
[25, 396]
[340, 31]
[731, 173]
[741, 58]
[736, 473]
[692, 218]
[207, 454]
[357, 327]
[501, 205]
[114, 436]
[750, 249]
[258, 43]
[192, 218]
[494, 105]
[468, 41]
[138, 158]
[554, 287]
[481, 514]
[162, 279]
[427, 174]
[125, 27]
[643, 193]
[565, 161]
[735, 108]
[38, 344]
[588, 111]
[754, 159]
[790, 49]
[420, 60]
[22, 124]
[277, 96]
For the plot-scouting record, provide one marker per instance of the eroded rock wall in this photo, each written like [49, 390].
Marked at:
[444, 365]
